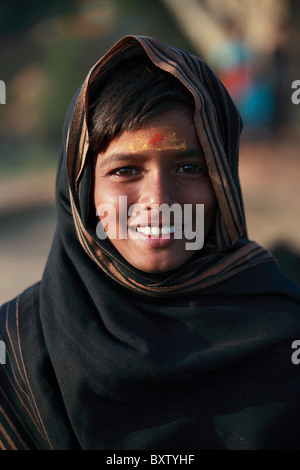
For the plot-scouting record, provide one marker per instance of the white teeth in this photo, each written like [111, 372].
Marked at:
[165, 230]
[145, 230]
[156, 231]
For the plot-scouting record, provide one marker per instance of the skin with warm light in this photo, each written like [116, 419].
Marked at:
[161, 162]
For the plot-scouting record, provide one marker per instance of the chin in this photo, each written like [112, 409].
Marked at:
[160, 268]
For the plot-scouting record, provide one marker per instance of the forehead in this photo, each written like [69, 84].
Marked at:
[152, 138]
[170, 130]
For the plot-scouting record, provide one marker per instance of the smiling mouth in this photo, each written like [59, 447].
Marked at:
[156, 231]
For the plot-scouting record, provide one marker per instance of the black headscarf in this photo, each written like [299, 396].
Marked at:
[102, 356]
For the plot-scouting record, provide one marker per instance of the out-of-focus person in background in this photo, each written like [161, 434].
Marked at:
[247, 77]
[136, 342]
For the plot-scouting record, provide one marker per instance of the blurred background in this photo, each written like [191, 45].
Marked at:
[46, 50]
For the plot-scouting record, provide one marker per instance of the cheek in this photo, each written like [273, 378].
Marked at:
[210, 207]
[115, 193]
[112, 203]
[106, 207]
[106, 194]
[210, 200]
[204, 194]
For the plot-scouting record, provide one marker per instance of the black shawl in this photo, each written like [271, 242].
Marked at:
[101, 356]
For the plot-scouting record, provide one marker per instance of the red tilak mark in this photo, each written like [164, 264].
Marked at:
[156, 139]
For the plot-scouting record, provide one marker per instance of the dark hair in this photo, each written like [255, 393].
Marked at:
[130, 90]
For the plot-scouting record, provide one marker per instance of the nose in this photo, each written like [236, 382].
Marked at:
[157, 188]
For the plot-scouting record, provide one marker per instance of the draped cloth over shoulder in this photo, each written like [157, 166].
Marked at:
[102, 356]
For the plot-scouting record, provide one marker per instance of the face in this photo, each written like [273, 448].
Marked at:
[146, 182]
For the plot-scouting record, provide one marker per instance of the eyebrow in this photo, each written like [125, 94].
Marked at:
[123, 157]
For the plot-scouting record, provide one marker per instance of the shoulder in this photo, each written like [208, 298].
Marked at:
[265, 285]
[269, 279]
[18, 311]
[13, 433]
[24, 302]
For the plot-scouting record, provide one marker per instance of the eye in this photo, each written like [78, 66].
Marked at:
[191, 168]
[125, 171]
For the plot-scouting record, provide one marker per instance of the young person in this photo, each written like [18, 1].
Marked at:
[166, 327]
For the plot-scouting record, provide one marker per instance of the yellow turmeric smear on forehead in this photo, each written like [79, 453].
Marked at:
[164, 139]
